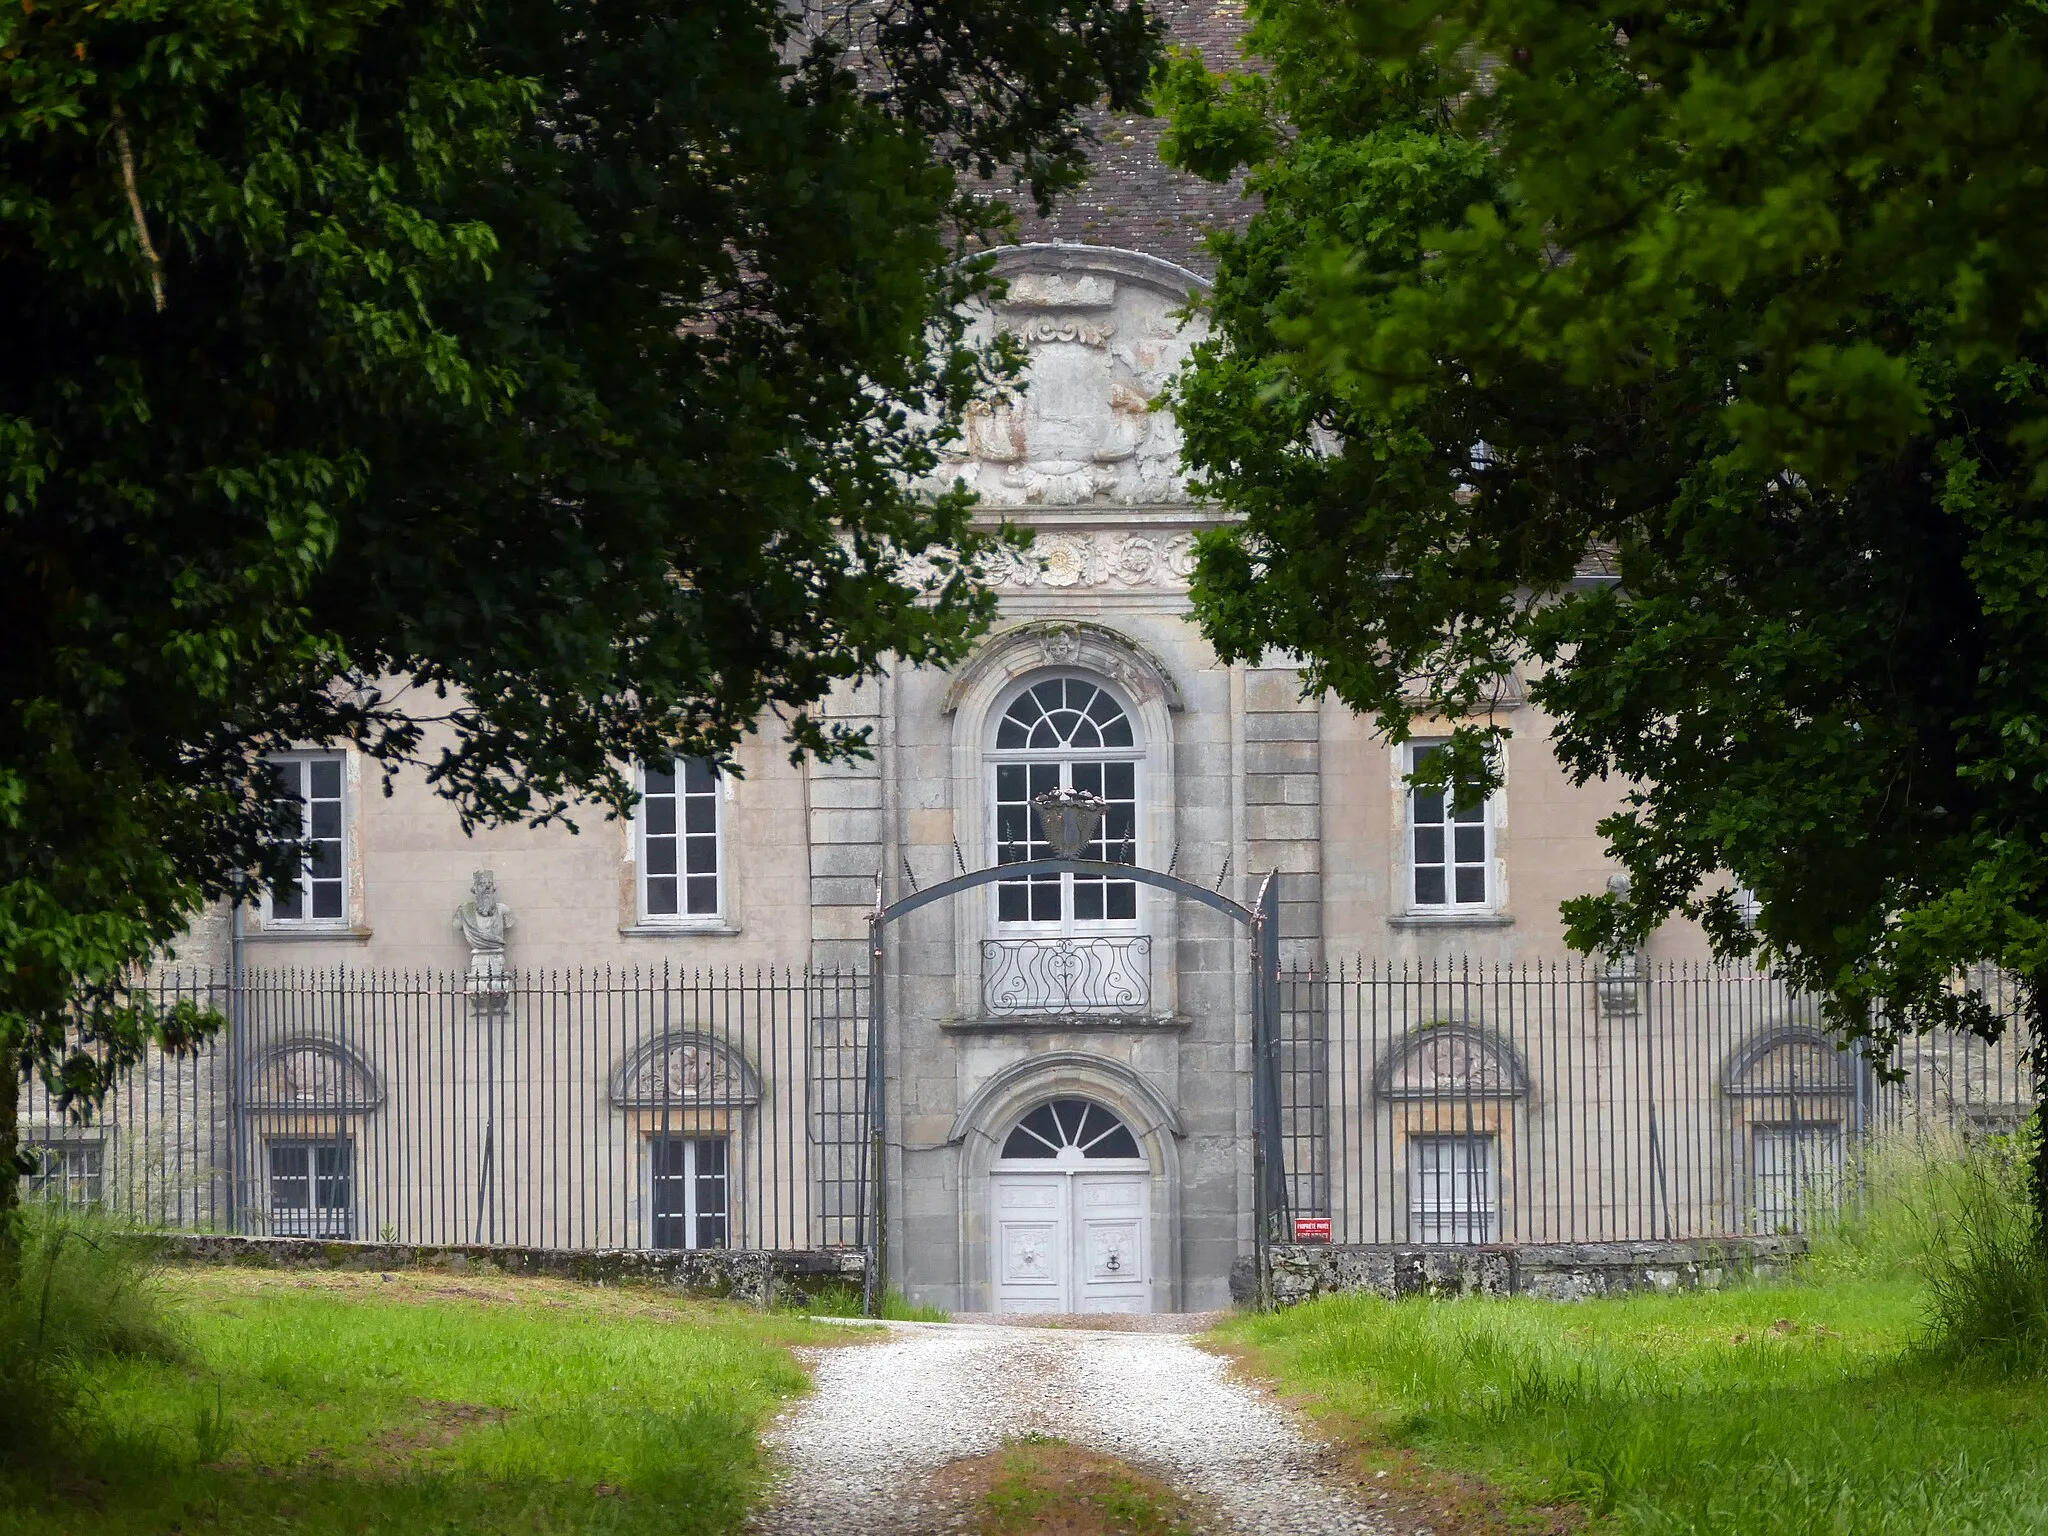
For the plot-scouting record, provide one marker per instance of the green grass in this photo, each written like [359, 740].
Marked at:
[1037, 1484]
[847, 1301]
[1814, 1408]
[419, 1404]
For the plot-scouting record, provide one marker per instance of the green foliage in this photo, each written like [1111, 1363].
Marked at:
[1038, 1482]
[82, 1293]
[1986, 1265]
[847, 1301]
[1694, 360]
[1797, 1410]
[1955, 1214]
[511, 390]
[339, 1404]
[1899, 1198]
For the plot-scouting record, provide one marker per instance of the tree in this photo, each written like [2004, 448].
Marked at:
[553, 370]
[1741, 305]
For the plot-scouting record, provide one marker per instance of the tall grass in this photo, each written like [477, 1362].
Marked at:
[1987, 1269]
[1956, 1214]
[83, 1291]
[1898, 1388]
[1787, 1410]
[847, 1301]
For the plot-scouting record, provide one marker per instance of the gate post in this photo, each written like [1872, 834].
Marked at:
[875, 1208]
[1269, 1168]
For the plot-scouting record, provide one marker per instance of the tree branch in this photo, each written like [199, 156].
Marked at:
[156, 262]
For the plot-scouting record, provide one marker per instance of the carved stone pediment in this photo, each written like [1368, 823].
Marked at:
[1796, 1063]
[1104, 336]
[685, 1069]
[1025, 648]
[302, 1076]
[1451, 1062]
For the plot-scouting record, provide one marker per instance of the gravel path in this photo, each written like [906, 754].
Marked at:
[859, 1452]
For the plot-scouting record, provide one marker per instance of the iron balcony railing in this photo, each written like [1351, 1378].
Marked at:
[1093, 976]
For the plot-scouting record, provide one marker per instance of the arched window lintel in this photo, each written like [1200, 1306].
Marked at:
[1064, 645]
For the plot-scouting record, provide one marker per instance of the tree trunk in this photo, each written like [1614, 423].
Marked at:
[2037, 1026]
[10, 1174]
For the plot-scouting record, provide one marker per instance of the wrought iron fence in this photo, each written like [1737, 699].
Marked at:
[1066, 976]
[570, 1111]
[1471, 1104]
[1458, 1104]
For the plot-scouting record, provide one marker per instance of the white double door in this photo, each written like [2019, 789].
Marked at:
[1071, 1242]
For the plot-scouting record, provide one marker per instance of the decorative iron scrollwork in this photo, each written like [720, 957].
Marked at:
[1092, 976]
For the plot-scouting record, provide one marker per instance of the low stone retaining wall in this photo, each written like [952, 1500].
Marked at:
[751, 1275]
[1556, 1271]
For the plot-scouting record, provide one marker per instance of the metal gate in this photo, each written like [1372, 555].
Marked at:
[1261, 921]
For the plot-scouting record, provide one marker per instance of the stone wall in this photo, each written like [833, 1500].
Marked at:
[786, 1278]
[1554, 1271]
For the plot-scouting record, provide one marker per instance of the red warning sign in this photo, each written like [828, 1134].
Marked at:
[1311, 1229]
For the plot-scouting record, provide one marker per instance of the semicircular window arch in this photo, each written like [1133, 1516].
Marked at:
[1065, 714]
[1791, 1061]
[298, 1075]
[685, 1069]
[1066, 1129]
[1453, 1061]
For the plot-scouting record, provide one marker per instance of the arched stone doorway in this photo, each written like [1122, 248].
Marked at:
[1070, 1212]
[993, 1110]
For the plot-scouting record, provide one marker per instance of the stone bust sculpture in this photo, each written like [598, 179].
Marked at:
[484, 921]
[1621, 971]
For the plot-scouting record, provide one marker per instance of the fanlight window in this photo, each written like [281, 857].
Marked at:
[1073, 1127]
[1067, 712]
[1066, 733]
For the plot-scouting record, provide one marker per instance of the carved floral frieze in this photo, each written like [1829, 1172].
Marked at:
[1061, 560]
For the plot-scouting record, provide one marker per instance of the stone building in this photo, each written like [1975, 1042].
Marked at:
[1067, 1067]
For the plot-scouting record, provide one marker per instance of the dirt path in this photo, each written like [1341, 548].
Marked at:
[860, 1452]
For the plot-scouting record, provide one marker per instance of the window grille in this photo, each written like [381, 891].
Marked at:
[310, 1189]
[69, 1174]
[1795, 1171]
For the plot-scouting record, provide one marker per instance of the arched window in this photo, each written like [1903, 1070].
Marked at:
[1070, 1128]
[1066, 733]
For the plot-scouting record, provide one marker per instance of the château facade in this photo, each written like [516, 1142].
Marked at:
[1066, 1077]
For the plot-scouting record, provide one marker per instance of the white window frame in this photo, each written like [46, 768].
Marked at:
[1412, 865]
[691, 1215]
[334, 1222]
[307, 922]
[995, 759]
[1805, 1172]
[73, 1172]
[682, 920]
[1472, 1213]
